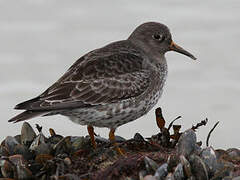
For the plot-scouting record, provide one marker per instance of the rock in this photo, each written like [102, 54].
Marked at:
[138, 137]
[172, 162]
[23, 173]
[127, 178]
[10, 143]
[186, 166]
[227, 178]
[142, 174]
[149, 177]
[236, 178]
[219, 153]
[27, 134]
[37, 141]
[165, 137]
[199, 169]
[101, 139]
[197, 149]
[79, 143]
[151, 165]
[4, 151]
[209, 158]
[28, 156]
[23, 150]
[54, 139]
[191, 178]
[18, 160]
[119, 139]
[35, 167]
[221, 173]
[18, 138]
[7, 168]
[161, 172]
[233, 153]
[178, 173]
[63, 146]
[42, 148]
[170, 176]
[187, 143]
[43, 158]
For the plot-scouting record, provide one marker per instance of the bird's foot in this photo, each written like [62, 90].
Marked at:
[112, 139]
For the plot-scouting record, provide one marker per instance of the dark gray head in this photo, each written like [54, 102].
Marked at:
[155, 38]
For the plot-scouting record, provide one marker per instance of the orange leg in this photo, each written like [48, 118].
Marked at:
[112, 139]
[91, 134]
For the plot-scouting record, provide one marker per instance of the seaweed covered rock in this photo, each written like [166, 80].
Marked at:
[177, 156]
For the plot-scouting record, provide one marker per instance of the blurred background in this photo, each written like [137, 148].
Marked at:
[40, 39]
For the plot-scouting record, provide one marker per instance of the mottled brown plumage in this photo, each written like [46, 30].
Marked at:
[112, 85]
[103, 76]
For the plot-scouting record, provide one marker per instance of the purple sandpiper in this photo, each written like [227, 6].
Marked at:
[112, 85]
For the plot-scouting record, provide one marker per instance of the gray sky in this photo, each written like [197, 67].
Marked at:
[40, 39]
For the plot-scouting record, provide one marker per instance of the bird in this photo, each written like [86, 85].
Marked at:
[112, 85]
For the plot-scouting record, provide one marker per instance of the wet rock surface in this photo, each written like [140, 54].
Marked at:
[187, 143]
[34, 155]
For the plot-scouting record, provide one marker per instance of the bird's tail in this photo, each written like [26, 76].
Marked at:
[27, 115]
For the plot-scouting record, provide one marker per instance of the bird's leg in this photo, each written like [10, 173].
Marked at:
[91, 134]
[112, 139]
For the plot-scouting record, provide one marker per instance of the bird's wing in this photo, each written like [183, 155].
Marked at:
[93, 80]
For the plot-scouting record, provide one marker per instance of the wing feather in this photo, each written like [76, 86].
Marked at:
[97, 78]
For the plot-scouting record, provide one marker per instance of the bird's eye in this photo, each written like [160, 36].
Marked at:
[158, 37]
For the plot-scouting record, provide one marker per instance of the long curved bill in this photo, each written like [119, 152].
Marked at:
[175, 47]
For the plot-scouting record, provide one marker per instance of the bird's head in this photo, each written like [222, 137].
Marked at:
[155, 38]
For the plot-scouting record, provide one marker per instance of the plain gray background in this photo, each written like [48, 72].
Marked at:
[40, 39]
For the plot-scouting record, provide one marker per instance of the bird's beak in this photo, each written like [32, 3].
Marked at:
[175, 47]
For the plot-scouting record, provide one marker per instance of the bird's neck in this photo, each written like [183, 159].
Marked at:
[158, 61]
[153, 55]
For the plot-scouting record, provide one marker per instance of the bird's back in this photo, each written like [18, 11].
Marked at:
[110, 74]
